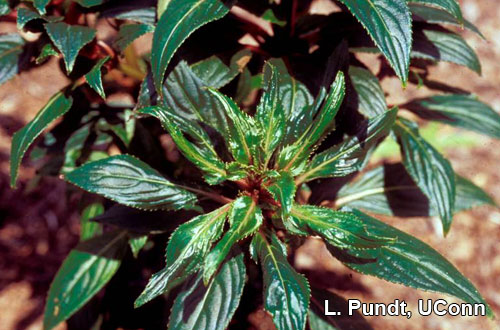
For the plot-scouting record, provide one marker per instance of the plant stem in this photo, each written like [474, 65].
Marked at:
[213, 196]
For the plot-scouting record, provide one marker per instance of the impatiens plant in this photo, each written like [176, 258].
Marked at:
[235, 142]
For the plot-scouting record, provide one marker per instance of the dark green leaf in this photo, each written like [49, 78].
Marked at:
[57, 106]
[137, 243]
[73, 148]
[341, 229]
[293, 157]
[40, 5]
[216, 74]
[245, 218]
[94, 77]
[11, 47]
[286, 292]
[371, 98]
[459, 110]
[349, 156]
[90, 3]
[210, 307]
[47, 51]
[85, 271]
[388, 22]
[450, 6]
[90, 229]
[410, 262]
[319, 321]
[180, 19]
[129, 32]
[389, 190]
[130, 182]
[431, 172]
[26, 15]
[136, 13]
[4, 7]
[69, 39]
[203, 156]
[270, 114]
[438, 16]
[444, 46]
[185, 252]
[244, 135]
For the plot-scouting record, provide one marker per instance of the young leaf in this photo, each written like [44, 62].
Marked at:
[282, 188]
[94, 77]
[296, 102]
[203, 156]
[293, 156]
[349, 156]
[431, 172]
[210, 307]
[57, 106]
[341, 229]
[244, 135]
[85, 271]
[216, 74]
[178, 21]
[90, 229]
[410, 262]
[69, 39]
[459, 110]
[245, 218]
[40, 5]
[129, 32]
[388, 22]
[389, 190]
[11, 47]
[450, 6]
[131, 182]
[371, 98]
[444, 46]
[318, 320]
[270, 114]
[185, 252]
[137, 243]
[286, 292]
[47, 51]
[438, 16]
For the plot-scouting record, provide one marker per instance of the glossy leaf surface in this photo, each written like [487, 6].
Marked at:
[94, 77]
[11, 47]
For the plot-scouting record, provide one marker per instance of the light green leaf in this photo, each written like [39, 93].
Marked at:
[431, 172]
[293, 157]
[47, 51]
[410, 262]
[90, 229]
[4, 7]
[69, 40]
[185, 252]
[162, 5]
[388, 191]
[11, 47]
[210, 307]
[203, 157]
[216, 74]
[459, 110]
[286, 292]
[371, 98]
[245, 218]
[244, 135]
[129, 32]
[349, 156]
[269, 16]
[131, 182]
[282, 188]
[444, 46]
[178, 21]
[137, 243]
[340, 229]
[270, 114]
[85, 271]
[388, 22]
[450, 6]
[57, 106]
[94, 77]
[438, 16]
